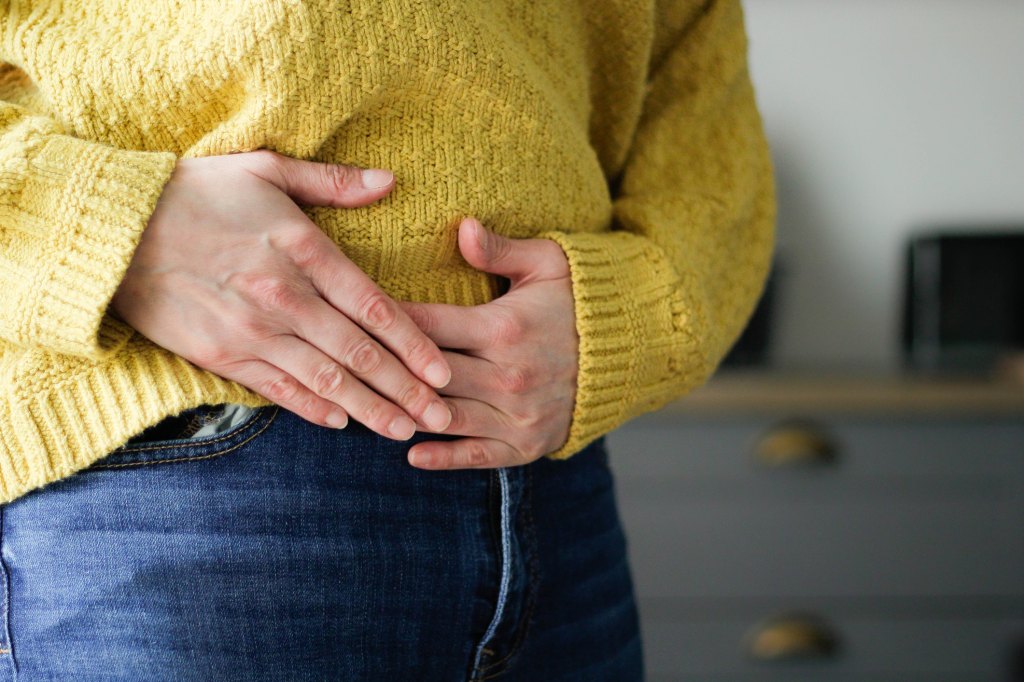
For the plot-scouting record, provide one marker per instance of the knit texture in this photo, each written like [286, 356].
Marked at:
[627, 131]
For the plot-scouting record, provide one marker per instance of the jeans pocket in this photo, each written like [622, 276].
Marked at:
[175, 427]
[171, 439]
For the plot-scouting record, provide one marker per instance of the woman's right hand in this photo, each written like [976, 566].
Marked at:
[233, 276]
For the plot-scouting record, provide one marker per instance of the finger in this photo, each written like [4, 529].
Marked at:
[465, 453]
[338, 337]
[517, 259]
[477, 378]
[342, 284]
[326, 378]
[456, 326]
[322, 184]
[282, 388]
[472, 417]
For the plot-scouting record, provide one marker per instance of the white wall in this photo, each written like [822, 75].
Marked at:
[883, 115]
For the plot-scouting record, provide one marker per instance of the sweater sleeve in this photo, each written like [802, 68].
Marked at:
[661, 298]
[71, 214]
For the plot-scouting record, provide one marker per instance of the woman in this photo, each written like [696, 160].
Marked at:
[317, 314]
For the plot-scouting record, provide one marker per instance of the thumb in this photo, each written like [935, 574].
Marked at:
[517, 259]
[321, 184]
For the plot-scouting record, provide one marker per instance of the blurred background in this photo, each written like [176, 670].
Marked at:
[844, 499]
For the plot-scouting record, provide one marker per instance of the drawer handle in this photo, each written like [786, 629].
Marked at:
[793, 636]
[795, 443]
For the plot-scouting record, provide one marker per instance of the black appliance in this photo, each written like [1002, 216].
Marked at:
[963, 302]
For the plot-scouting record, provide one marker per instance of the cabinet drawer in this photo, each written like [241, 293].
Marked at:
[917, 508]
[869, 649]
[810, 538]
[662, 446]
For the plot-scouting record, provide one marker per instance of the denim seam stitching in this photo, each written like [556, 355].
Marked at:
[193, 457]
[532, 565]
[7, 600]
[506, 562]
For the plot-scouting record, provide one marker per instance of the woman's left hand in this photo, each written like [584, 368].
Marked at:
[514, 360]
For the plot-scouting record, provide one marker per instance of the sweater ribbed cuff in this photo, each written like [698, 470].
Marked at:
[638, 333]
[90, 202]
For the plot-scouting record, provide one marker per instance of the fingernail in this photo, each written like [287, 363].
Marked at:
[375, 178]
[419, 458]
[437, 416]
[402, 428]
[438, 374]
[337, 419]
[481, 235]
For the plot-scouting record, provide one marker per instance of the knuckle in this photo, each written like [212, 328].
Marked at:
[508, 329]
[376, 311]
[283, 389]
[524, 421]
[269, 165]
[419, 349]
[515, 379]
[267, 158]
[364, 357]
[373, 415]
[476, 454]
[270, 291]
[415, 396]
[211, 355]
[328, 380]
[339, 178]
[307, 403]
[305, 247]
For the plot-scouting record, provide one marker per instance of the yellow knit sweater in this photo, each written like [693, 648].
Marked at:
[625, 130]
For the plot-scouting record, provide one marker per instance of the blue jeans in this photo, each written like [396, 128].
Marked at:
[282, 550]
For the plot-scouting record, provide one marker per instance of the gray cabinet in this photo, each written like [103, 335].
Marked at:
[827, 539]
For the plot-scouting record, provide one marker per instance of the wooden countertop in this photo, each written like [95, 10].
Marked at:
[743, 390]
